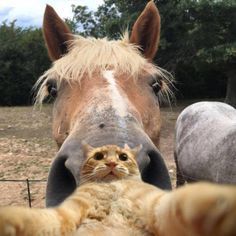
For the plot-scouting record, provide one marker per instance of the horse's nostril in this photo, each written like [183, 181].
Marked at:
[156, 172]
[61, 182]
[102, 125]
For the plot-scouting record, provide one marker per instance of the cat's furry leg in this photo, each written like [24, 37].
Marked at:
[25, 221]
[200, 209]
[62, 220]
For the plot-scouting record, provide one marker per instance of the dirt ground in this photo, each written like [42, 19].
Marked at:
[27, 149]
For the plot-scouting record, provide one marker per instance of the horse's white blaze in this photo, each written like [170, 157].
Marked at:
[118, 101]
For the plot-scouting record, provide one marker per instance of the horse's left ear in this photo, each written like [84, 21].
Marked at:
[146, 31]
[56, 34]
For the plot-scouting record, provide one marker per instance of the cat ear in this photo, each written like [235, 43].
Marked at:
[137, 149]
[86, 147]
[126, 146]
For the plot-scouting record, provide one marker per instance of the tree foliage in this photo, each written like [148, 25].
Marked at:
[23, 58]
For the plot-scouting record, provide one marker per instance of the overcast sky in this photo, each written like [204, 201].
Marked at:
[30, 12]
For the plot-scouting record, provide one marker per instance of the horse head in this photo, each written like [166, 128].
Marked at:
[105, 94]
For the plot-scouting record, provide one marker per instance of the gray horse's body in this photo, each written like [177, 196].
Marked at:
[205, 146]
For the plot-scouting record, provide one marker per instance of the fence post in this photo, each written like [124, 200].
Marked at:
[28, 185]
[28, 188]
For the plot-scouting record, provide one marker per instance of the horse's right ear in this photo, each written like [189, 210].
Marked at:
[146, 31]
[56, 34]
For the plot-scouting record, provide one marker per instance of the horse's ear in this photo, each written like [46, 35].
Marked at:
[146, 31]
[56, 34]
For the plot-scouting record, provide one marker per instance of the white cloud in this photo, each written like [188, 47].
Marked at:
[30, 12]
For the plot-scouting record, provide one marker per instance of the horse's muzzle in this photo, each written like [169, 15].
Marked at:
[64, 174]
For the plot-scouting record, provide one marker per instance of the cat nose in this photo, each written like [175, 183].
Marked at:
[111, 164]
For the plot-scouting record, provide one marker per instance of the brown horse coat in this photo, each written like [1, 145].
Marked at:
[104, 96]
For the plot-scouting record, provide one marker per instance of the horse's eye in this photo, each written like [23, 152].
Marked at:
[98, 156]
[123, 157]
[156, 86]
[52, 88]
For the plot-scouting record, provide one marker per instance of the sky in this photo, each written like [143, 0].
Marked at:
[30, 12]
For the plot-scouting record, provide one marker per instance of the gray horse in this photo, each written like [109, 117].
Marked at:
[205, 143]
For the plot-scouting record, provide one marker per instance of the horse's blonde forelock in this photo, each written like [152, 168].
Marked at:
[87, 56]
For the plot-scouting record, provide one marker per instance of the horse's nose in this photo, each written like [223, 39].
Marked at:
[61, 183]
[111, 164]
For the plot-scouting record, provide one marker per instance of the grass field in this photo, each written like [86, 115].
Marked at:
[27, 149]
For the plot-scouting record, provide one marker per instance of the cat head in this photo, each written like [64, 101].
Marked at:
[109, 162]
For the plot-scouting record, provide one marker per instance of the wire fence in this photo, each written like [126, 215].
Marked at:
[11, 197]
[27, 189]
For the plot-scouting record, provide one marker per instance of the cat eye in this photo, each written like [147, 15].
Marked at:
[123, 157]
[98, 156]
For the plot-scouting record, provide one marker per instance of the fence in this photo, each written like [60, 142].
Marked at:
[10, 195]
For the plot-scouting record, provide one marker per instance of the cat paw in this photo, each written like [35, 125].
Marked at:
[11, 223]
[8, 230]
[207, 209]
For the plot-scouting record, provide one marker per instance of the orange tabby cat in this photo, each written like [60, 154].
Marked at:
[113, 200]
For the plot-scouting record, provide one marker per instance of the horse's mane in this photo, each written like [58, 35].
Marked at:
[87, 56]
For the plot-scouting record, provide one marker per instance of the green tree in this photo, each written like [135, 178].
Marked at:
[215, 39]
[23, 58]
[198, 44]
[82, 21]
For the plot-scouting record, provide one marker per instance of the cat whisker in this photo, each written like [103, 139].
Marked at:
[101, 167]
[88, 168]
[87, 176]
[88, 165]
[123, 170]
[86, 179]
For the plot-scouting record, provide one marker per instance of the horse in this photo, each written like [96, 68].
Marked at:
[205, 143]
[106, 92]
